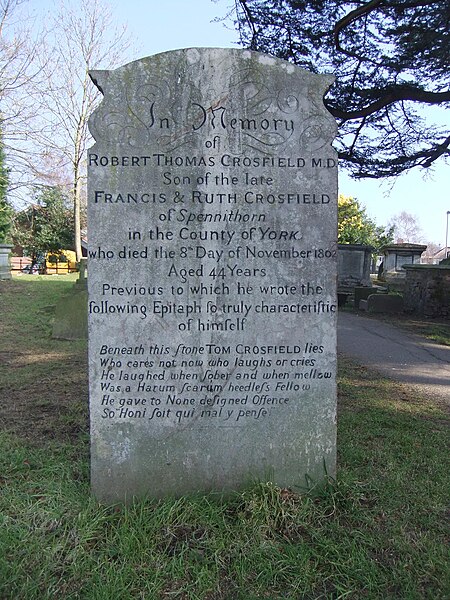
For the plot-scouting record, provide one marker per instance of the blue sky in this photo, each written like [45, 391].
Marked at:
[161, 25]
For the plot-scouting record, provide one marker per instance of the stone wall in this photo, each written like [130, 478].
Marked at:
[427, 290]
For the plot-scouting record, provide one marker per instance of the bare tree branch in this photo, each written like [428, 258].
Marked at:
[387, 98]
[83, 38]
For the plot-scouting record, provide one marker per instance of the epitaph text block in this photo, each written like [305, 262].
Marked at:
[212, 201]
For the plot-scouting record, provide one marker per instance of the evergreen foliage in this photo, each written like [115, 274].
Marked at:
[355, 227]
[46, 225]
[389, 57]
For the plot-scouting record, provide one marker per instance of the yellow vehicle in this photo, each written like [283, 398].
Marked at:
[60, 262]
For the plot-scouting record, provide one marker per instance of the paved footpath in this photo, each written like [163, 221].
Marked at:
[398, 354]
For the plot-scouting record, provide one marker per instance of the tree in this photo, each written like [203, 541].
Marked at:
[5, 208]
[389, 57]
[406, 228]
[83, 38]
[46, 225]
[19, 75]
[355, 227]
[430, 252]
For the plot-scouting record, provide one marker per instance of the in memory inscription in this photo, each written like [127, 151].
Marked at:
[212, 199]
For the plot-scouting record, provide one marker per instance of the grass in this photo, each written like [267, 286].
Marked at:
[378, 531]
[436, 330]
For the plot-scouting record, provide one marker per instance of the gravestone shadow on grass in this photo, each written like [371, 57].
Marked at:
[71, 318]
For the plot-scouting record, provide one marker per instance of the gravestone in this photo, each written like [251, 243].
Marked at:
[354, 261]
[212, 201]
[5, 266]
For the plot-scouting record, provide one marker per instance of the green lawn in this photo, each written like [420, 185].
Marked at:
[378, 531]
[437, 330]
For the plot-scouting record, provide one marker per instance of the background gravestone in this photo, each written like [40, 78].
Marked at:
[5, 267]
[212, 275]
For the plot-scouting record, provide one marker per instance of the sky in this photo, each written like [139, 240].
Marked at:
[161, 25]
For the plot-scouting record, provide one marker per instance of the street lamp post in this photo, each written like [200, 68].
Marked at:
[446, 236]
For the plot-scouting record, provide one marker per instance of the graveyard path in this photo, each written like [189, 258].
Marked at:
[398, 354]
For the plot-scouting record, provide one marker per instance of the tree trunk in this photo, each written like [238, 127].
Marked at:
[77, 218]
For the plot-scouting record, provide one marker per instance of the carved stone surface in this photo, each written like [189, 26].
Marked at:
[212, 275]
[5, 267]
[427, 290]
[354, 262]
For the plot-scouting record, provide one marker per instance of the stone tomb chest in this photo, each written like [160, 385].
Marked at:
[212, 275]
[354, 261]
[397, 255]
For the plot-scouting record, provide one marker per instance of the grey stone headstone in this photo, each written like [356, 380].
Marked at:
[5, 266]
[212, 275]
